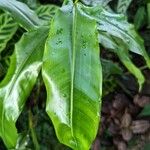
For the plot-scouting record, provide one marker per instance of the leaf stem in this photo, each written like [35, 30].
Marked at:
[141, 68]
[33, 134]
[76, 1]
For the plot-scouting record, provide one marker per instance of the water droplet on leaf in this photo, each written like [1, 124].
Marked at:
[59, 31]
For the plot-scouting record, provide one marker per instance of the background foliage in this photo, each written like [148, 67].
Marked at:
[33, 120]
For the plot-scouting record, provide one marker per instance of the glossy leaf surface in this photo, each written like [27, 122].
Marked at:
[7, 29]
[17, 85]
[116, 25]
[22, 13]
[72, 75]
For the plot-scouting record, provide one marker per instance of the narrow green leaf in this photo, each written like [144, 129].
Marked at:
[22, 13]
[119, 48]
[125, 59]
[17, 85]
[123, 6]
[116, 25]
[107, 41]
[73, 77]
[46, 13]
[7, 29]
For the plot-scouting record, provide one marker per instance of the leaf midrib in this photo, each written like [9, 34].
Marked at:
[73, 67]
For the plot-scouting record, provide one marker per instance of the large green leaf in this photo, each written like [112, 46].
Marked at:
[15, 88]
[7, 29]
[73, 77]
[116, 25]
[22, 13]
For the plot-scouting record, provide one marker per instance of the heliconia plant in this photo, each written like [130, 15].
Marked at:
[65, 49]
